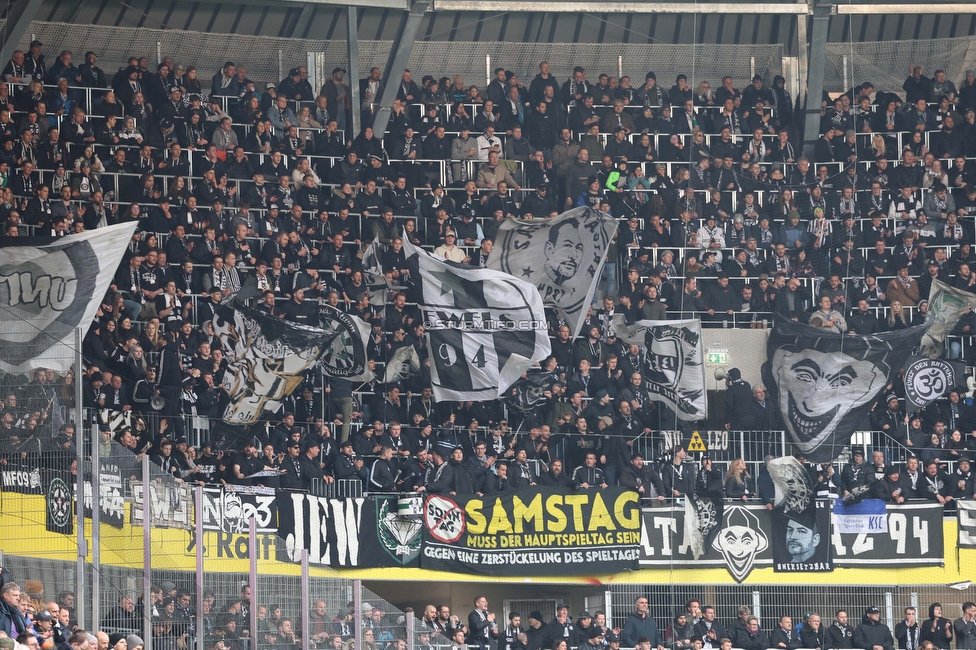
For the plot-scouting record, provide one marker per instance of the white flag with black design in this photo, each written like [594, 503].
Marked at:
[701, 519]
[404, 363]
[48, 288]
[675, 360]
[345, 357]
[946, 306]
[794, 489]
[563, 257]
[966, 515]
[484, 327]
[374, 277]
[926, 380]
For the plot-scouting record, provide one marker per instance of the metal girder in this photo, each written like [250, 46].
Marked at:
[19, 18]
[397, 63]
[622, 7]
[815, 78]
[950, 9]
[352, 49]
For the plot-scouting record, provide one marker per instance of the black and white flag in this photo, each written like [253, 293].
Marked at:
[267, 359]
[966, 515]
[484, 327]
[676, 362]
[926, 380]
[404, 363]
[702, 519]
[824, 383]
[345, 356]
[563, 257]
[946, 306]
[800, 529]
[374, 277]
[530, 391]
[48, 288]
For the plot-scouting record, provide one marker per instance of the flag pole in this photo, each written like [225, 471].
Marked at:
[80, 593]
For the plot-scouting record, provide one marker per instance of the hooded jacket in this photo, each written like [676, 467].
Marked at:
[869, 634]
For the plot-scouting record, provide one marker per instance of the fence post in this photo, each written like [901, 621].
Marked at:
[146, 554]
[845, 73]
[80, 484]
[410, 620]
[96, 528]
[488, 78]
[357, 603]
[198, 535]
[306, 605]
[620, 66]
[913, 600]
[757, 606]
[889, 610]
[253, 558]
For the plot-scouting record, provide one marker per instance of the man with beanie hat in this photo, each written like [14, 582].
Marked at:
[442, 479]
[536, 631]
[132, 642]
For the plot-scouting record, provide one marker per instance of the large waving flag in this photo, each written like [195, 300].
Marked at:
[48, 288]
[563, 257]
[484, 328]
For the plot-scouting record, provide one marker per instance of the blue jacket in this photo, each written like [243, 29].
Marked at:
[635, 627]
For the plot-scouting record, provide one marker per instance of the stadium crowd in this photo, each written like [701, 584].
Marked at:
[721, 216]
[29, 622]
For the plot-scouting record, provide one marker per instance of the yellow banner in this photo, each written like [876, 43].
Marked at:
[23, 533]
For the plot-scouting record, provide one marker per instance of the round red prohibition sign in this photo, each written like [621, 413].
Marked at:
[444, 519]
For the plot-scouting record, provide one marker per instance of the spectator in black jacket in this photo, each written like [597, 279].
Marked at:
[647, 482]
[678, 479]
[872, 634]
[751, 637]
[839, 634]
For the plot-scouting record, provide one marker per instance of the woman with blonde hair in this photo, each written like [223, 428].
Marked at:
[738, 481]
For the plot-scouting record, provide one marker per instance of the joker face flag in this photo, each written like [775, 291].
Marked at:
[825, 383]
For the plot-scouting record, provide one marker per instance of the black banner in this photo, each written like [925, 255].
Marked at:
[59, 505]
[111, 495]
[824, 383]
[328, 528]
[749, 539]
[229, 509]
[21, 478]
[914, 537]
[392, 531]
[801, 540]
[533, 532]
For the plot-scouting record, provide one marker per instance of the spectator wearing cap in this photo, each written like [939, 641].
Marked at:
[872, 634]
[442, 478]
[856, 474]
[936, 485]
[890, 488]
[293, 472]
[450, 251]
[43, 628]
[289, 86]
[348, 465]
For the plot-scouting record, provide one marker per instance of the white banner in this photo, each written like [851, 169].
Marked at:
[484, 328]
[563, 257]
[47, 290]
[675, 362]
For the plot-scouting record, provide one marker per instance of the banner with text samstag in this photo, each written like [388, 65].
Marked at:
[534, 531]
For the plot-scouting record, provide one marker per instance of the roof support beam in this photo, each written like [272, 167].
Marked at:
[399, 57]
[623, 7]
[19, 18]
[815, 72]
